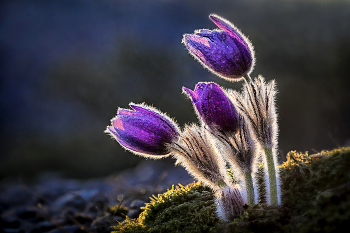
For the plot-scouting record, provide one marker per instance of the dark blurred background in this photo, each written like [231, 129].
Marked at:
[67, 65]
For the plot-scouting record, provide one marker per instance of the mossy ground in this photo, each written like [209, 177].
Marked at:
[316, 190]
[182, 209]
[315, 194]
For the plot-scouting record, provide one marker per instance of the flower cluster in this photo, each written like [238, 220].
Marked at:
[237, 130]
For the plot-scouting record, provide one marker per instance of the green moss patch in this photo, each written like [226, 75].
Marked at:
[188, 208]
[315, 189]
[306, 177]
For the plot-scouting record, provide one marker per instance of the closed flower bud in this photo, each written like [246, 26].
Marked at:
[144, 131]
[214, 107]
[225, 51]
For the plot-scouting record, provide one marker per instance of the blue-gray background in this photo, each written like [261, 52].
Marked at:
[67, 65]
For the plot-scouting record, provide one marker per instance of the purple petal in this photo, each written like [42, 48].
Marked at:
[159, 117]
[194, 39]
[139, 108]
[112, 130]
[126, 143]
[204, 33]
[199, 88]
[227, 27]
[197, 46]
[190, 93]
[223, 57]
[240, 40]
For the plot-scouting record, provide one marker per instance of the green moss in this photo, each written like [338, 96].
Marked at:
[259, 218]
[316, 190]
[304, 178]
[188, 208]
[315, 195]
[130, 226]
[332, 212]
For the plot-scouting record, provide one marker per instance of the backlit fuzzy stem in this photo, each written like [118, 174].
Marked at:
[238, 150]
[257, 104]
[193, 151]
[249, 187]
[272, 176]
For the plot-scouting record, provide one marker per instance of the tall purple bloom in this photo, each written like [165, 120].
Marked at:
[225, 51]
[214, 107]
[143, 130]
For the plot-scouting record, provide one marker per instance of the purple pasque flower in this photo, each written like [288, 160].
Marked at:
[225, 51]
[214, 107]
[143, 130]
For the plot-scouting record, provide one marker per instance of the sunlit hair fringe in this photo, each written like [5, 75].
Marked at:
[238, 149]
[194, 152]
[257, 104]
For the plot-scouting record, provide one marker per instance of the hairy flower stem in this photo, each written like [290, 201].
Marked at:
[272, 176]
[247, 78]
[249, 187]
[222, 184]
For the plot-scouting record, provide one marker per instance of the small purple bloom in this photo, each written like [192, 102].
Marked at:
[226, 52]
[143, 130]
[214, 107]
